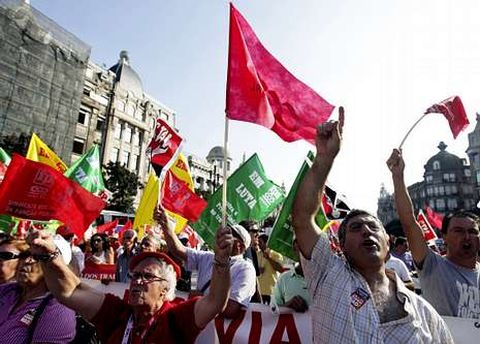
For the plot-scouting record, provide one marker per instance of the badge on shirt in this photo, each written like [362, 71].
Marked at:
[359, 297]
[28, 317]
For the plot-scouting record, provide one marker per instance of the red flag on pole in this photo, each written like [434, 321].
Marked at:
[453, 110]
[33, 190]
[107, 228]
[179, 199]
[165, 145]
[434, 218]
[260, 90]
[428, 232]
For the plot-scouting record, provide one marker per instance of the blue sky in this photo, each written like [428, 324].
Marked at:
[385, 61]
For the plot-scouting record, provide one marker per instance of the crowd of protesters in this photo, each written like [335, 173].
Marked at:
[360, 286]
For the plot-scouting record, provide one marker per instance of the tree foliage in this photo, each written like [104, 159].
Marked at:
[123, 184]
[14, 143]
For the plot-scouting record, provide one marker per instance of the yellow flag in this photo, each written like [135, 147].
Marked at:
[181, 170]
[148, 202]
[39, 151]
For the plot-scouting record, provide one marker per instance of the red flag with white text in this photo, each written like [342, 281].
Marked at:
[36, 191]
[453, 110]
[260, 90]
[165, 145]
[428, 232]
[179, 199]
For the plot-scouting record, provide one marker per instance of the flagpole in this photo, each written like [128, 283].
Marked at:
[409, 131]
[224, 187]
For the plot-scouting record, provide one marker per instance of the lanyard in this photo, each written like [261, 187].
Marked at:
[128, 330]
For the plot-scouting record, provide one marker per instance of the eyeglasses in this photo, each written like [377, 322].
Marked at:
[8, 256]
[145, 277]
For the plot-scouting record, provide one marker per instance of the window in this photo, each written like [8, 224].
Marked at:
[127, 134]
[429, 179]
[468, 173]
[100, 123]
[136, 162]
[441, 190]
[449, 177]
[78, 145]
[131, 109]
[454, 190]
[429, 191]
[435, 190]
[440, 204]
[118, 131]
[114, 155]
[452, 204]
[478, 177]
[126, 158]
[436, 165]
[83, 116]
[452, 177]
[448, 190]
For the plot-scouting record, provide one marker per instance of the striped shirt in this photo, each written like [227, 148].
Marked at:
[343, 310]
[55, 325]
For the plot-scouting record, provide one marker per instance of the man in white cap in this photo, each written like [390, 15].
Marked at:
[242, 272]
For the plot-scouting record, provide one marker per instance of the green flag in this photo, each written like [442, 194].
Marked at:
[86, 171]
[281, 238]
[4, 157]
[250, 195]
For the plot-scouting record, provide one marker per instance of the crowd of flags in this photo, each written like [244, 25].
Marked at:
[40, 190]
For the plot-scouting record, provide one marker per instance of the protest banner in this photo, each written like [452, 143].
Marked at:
[259, 324]
[251, 195]
[100, 272]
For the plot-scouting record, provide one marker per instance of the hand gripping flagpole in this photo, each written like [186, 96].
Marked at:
[410, 130]
[224, 187]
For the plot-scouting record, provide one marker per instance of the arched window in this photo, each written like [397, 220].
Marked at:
[436, 165]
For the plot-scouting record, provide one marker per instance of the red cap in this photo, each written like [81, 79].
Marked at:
[139, 257]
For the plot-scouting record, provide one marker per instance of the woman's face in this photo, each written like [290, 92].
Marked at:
[97, 244]
[29, 271]
[8, 262]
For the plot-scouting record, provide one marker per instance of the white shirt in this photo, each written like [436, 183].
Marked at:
[399, 267]
[343, 310]
[242, 274]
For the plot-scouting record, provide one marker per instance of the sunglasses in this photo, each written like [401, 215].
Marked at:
[8, 256]
[145, 277]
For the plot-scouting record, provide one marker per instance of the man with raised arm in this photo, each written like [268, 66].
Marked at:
[354, 300]
[147, 316]
[452, 283]
[242, 271]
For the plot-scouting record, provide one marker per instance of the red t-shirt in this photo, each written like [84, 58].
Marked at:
[175, 323]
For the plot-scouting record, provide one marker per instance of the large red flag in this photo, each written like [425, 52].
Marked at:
[165, 145]
[453, 110]
[428, 232]
[434, 218]
[179, 199]
[33, 190]
[260, 90]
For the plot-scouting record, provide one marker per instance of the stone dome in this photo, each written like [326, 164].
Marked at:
[126, 75]
[216, 153]
[447, 161]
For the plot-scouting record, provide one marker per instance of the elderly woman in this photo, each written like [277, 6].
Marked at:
[152, 243]
[28, 312]
[101, 252]
[9, 250]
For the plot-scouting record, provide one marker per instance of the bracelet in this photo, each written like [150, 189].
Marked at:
[46, 258]
[222, 265]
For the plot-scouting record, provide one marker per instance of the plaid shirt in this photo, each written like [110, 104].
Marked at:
[343, 310]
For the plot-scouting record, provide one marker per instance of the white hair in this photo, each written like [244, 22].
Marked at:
[168, 272]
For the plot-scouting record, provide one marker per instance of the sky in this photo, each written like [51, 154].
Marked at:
[384, 61]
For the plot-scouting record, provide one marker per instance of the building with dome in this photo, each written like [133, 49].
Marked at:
[119, 115]
[207, 173]
[473, 152]
[446, 185]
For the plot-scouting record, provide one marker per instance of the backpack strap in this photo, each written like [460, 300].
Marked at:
[41, 307]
